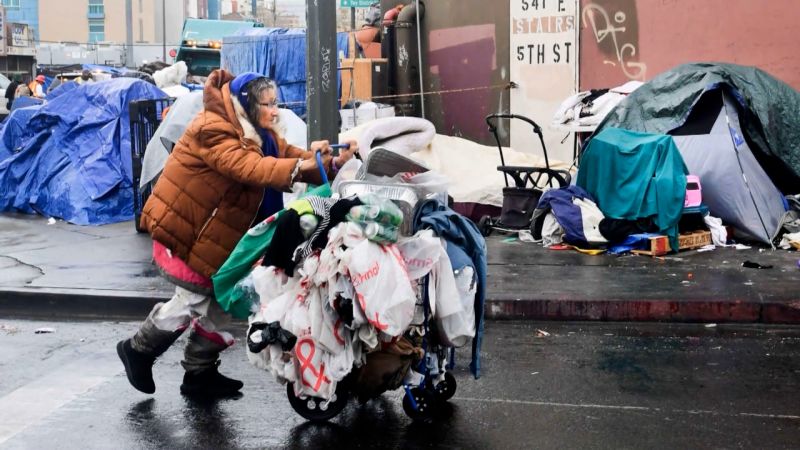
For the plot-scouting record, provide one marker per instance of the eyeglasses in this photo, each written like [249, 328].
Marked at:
[273, 104]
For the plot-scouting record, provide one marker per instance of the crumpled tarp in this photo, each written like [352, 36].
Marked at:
[72, 159]
[257, 50]
[635, 176]
[771, 108]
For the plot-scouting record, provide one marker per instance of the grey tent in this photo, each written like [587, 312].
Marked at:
[737, 128]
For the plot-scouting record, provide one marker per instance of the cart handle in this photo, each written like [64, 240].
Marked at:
[491, 121]
[321, 167]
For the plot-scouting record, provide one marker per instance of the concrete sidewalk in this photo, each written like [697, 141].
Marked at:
[57, 269]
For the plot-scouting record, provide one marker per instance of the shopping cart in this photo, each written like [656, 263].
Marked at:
[430, 384]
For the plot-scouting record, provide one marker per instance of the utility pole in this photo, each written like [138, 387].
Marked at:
[163, 31]
[129, 62]
[322, 86]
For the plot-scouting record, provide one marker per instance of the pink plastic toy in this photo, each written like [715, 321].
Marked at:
[694, 195]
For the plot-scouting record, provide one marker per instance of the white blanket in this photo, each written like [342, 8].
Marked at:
[470, 167]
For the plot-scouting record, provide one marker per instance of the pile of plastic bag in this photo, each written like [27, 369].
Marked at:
[358, 294]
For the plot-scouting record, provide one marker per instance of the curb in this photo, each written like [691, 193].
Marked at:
[666, 310]
[129, 305]
[47, 303]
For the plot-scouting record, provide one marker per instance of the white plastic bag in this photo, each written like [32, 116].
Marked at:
[420, 253]
[458, 329]
[456, 319]
[383, 287]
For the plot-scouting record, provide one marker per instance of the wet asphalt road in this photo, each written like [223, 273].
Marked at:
[582, 386]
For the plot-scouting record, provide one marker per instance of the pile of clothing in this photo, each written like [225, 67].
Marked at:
[589, 108]
[331, 294]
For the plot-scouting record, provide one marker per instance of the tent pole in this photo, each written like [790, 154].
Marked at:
[744, 177]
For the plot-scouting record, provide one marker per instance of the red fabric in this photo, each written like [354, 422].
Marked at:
[175, 267]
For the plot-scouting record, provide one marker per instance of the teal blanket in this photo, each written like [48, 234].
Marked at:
[634, 176]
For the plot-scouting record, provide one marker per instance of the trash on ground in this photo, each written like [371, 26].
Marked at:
[755, 265]
[509, 240]
[790, 241]
[711, 325]
[707, 248]
[44, 330]
[51, 221]
[542, 333]
[526, 236]
[9, 329]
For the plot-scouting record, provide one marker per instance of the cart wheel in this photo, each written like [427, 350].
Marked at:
[446, 389]
[424, 401]
[316, 409]
[485, 226]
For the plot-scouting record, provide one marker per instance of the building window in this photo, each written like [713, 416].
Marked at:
[97, 30]
[11, 3]
[96, 9]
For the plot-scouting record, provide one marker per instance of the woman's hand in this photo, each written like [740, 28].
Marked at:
[346, 154]
[323, 147]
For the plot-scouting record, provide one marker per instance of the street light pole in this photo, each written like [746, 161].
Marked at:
[164, 31]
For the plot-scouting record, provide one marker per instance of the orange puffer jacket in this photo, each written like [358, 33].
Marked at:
[213, 181]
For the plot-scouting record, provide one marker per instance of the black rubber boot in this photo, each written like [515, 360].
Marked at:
[140, 352]
[209, 383]
[138, 367]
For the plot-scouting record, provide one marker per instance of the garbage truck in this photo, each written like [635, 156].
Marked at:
[201, 42]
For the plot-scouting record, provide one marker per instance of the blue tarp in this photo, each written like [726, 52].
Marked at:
[257, 50]
[106, 69]
[25, 102]
[14, 129]
[71, 159]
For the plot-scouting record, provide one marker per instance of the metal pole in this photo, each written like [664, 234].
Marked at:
[322, 86]
[419, 53]
[352, 18]
[129, 33]
[163, 31]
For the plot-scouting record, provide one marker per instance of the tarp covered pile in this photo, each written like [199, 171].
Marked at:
[280, 54]
[70, 158]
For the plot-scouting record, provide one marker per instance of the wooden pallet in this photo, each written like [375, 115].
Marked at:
[659, 245]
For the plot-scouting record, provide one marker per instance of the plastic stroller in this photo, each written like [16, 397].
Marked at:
[433, 384]
[521, 199]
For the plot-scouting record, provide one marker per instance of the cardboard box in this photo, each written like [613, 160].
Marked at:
[361, 115]
[659, 245]
[364, 78]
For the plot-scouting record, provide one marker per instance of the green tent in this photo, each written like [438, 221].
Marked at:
[769, 112]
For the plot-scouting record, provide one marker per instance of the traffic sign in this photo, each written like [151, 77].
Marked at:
[356, 3]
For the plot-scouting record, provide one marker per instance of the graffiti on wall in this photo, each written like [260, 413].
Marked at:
[616, 37]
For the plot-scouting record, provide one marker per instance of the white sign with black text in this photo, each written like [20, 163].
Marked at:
[544, 65]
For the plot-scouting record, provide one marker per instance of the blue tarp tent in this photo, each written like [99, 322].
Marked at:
[14, 130]
[72, 158]
[258, 50]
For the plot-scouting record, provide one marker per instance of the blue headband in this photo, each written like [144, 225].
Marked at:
[239, 85]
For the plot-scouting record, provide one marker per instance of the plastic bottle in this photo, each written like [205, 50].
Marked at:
[308, 223]
[380, 233]
[364, 213]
